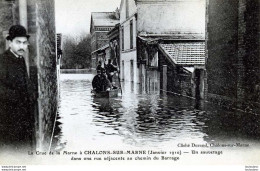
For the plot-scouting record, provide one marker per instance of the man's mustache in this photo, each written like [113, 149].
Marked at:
[21, 50]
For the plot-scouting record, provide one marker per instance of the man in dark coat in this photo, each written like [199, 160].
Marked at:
[100, 81]
[16, 120]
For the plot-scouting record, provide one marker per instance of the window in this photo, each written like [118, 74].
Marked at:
[131, 35]
[154, 61]
[123, 38]
[127, 8]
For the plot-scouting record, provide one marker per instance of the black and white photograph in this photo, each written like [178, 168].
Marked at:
[129, 84]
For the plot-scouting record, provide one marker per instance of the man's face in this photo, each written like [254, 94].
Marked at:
[19, 45]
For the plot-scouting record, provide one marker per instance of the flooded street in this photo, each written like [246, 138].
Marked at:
[138, 119]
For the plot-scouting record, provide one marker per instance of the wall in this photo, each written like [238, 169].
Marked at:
[47, 77]
[127, 57]
[128, 53]
[222, 48]
[233, 53]
[132, 9]
[126, 26]
[6, 21]
[249, 50]
[101, 39]
[162, 17]
[93, 42]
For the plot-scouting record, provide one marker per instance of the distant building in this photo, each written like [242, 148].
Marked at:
[233, 58]
[101, 24]
[103, 54]
[149, 29]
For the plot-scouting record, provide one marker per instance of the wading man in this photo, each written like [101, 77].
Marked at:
[16, 123]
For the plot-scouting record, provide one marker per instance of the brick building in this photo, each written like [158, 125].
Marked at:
[101, 24]
[233, 56]
[39, 19]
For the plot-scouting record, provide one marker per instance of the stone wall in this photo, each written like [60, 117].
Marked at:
[6, 21]
[248, 50]
[222, 47]
[47, 77]
[233, 53]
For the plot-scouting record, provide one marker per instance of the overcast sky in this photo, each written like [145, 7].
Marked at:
[73, 16]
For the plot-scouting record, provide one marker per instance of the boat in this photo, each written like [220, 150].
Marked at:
[106, 94]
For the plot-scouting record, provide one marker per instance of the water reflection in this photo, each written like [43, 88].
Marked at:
[107, 114]
[142, 118]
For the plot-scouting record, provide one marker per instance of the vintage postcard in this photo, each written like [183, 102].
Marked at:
[137, 84]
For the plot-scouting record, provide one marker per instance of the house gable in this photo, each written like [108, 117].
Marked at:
[171, 17]
[123, 10]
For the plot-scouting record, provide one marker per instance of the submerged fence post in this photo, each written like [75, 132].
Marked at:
[164, 77]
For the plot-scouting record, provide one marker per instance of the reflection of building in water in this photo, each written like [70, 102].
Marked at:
[41, 58]
[150, 82]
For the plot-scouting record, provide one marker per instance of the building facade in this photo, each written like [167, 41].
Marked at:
[233, 54]
[146, 24]
[101, 24]
[128, 35]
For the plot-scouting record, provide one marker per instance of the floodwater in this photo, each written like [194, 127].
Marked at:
[139, 118]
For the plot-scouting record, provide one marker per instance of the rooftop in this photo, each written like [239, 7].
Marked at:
[185, 53]
[171, 36]
[104, 18]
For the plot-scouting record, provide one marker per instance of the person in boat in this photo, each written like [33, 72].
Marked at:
[99, 66]
[100, 82]
[110, 70]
